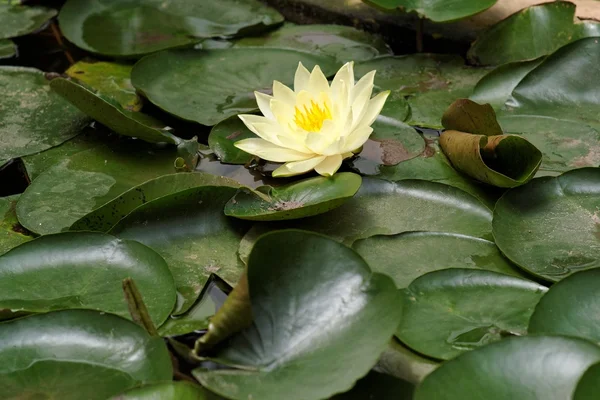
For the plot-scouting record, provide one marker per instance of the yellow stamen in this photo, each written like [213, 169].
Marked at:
[311, 119]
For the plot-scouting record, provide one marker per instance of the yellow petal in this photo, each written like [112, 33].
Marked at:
[317, 82]
[284, 93]
[298, 167]
[329, 165]
[374, 109]
[269, 151]
[263, 101]
[301, 79]
[357, 138]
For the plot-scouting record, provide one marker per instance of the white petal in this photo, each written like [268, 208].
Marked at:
[364, 83]
[298, 167]
[260, 126]
[357, 138]
[329, 166]
[284, 93]
[345, 76]
[283, 112]
[301, 79]
[269, 151]
[374, 109]
[318, 82]
[319, 141]
[360, 106]
[294, 142]
[263, 101]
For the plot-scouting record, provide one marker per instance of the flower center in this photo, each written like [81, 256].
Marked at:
[311, 119]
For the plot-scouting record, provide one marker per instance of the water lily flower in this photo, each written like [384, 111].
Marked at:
[315, 126]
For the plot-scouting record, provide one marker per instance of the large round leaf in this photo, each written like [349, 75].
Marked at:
[569, 308]
[190, 231]
[451, 311]
[134, 27]
[533, 32]
[550, 227]
[409, 255]
[301, 199]
[321, 319]
[210, 86]
[589, 384]
[84, 270]
[10, 235]
[168, 391]
[78, 354]
[33, 118]
[89, 179]
[18, 20]
[524, 368]
[438, 10]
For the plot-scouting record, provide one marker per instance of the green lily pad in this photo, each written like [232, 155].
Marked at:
[342, 42]
[105, 217]
[407, 256]
[209, 86]
[245, 176]
[495, 87]
[131, 28]
[86, 270]
[524, 368]
[342, 314]
[10, 235]
[536, 31]
[71, 189]
[189, 230]
[551, 226]
[223, 136]
[437, 10]
[563, 86]
[109, 79]
[168, 391]
[19, 20]
[378, 386]
[112, 115]
[569, 308]
[403, 363]
[431, 82]
[589, 384]
[301, 199]
[451, 311]
[7, 49]
[33, 118]
[78, 354]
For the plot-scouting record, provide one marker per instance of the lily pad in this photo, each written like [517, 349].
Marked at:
[109, 79]
[451, 311]
[104, 218]
[406, 256]
[568, 308]
[437, 10]
[19, 20]
[132, 28]
[251, 177]
[168, 391]
[10, 235]
[551, 226]
[103, 356]
[33, 118]
[589, 384]
[89, 179]
[343, 315]
[546, 27]
[105, 111]
[342, 42]
[301, 199]
[190, 231]
[86, 271]
[7, 49]
[222, 138]
[524, 368]
[211, 86]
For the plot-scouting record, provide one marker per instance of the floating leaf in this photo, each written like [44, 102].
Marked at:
[7, 49]
[85, 271]
[551, 226]
[451, 311]
[301, 199]
[400, 361]
[19, 20]
[78, 354]
[588, 386]
[222, 138]
[32, 117]
[536, 31]
[209, 86]
[189, 230]
[128, 28]
[524, 368]
[438, 10]
[342, 315]
[406, 256]
[246, 176]
[10, 235]
[168, 391]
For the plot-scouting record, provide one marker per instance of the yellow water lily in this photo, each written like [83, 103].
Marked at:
[315, 126]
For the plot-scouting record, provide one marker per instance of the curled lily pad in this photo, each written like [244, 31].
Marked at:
[451, 311]
[106, 111]
[103, 356]
[550, 226]
[86, 271]
[18, 20]
[437, 10]
[301, 199]
[342, 313]
[128, 28]
[209, 86]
